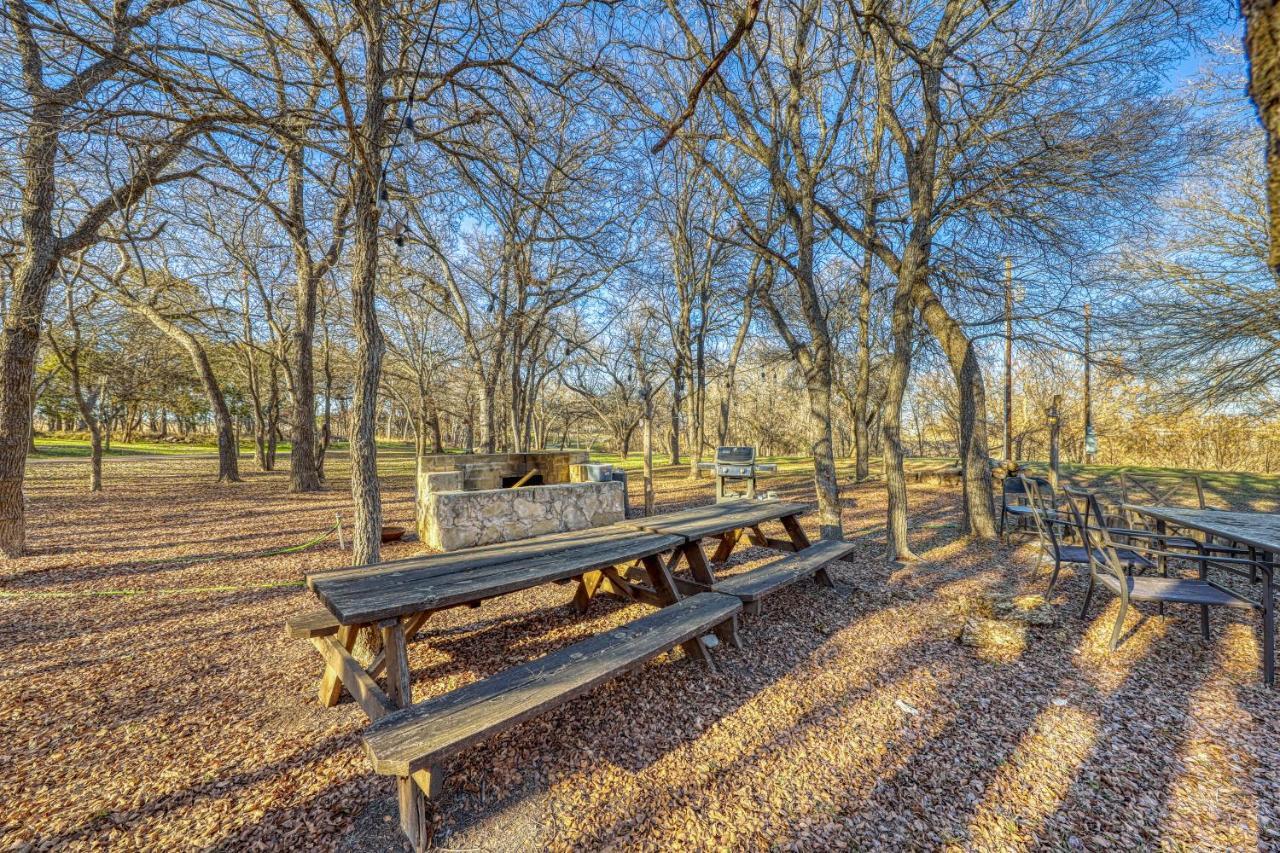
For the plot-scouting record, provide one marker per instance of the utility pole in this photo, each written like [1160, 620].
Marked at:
[1090, 439]
[1053, 416]
[1008, 358]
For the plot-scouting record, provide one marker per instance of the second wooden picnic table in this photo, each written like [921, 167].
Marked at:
[727, 522]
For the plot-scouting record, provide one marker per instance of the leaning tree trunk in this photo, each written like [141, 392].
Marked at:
[228, 449]
[975, 467]
[895, 479]
[1262, 44]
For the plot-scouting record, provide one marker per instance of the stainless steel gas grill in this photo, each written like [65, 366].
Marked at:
[736, 467]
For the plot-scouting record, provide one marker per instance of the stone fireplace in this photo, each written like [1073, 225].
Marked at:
[472, 499]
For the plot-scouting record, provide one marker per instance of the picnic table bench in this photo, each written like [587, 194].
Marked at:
[730, 522]
[395, 599]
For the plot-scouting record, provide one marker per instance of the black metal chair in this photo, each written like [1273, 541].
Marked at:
[1106, 568]
[1049, 520]
[1015, 501]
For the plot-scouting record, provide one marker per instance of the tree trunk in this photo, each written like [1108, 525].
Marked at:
[437, 436]
[28, 294]
[648, 453]
[974, 454]
[95, 457]
[228, 449]
[1262, 44]
[899, 549]
[31, 423]
[365, 188]
[697, 407]
[673, 437]
[326, 424]
[489, 416]
[304, 460]
[862, 387]
[818, 386]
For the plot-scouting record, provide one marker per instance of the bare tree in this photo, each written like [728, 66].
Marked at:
[64, 58]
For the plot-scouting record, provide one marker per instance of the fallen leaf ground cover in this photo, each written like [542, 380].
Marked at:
[149, 699]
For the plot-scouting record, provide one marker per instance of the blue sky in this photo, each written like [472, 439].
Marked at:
[1232, 28]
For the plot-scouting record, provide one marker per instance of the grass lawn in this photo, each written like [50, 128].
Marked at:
[78, 448]
[1222, 488]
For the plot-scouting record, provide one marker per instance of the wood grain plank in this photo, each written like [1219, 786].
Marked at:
[377, 595]
[359, 684]
[714, 519]
[757, 583]
[312, 623]
[420, 735]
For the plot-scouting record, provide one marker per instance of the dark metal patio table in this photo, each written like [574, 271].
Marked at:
[1258, 531]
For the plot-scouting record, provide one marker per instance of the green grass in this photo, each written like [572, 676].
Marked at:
[1237, 489]
[78, 448]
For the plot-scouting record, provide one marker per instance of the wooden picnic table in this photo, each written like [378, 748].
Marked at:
[409, 741]
[396, 598]
[728, 521]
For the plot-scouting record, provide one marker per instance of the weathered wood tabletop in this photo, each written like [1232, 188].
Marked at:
[717, 519]
[433, 582]
[1260, 530]
[728, 521]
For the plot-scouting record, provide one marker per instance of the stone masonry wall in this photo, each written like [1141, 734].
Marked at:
[461, 519]
[486, 470]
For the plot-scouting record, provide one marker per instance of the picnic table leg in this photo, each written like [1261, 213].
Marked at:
[1162, 561]
[728, 540]
[796, 532]
[331, 681]
[409, 790]
[801, 541]
[412, 626]
[697, 563]
[587, 586]
[665, 586]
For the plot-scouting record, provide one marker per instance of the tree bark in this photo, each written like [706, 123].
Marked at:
[974, 453]
[899, 548]
[818, 387]
[677, 394]
[862, 386]
[1262, 46]
[365, 187]
[28, 294]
